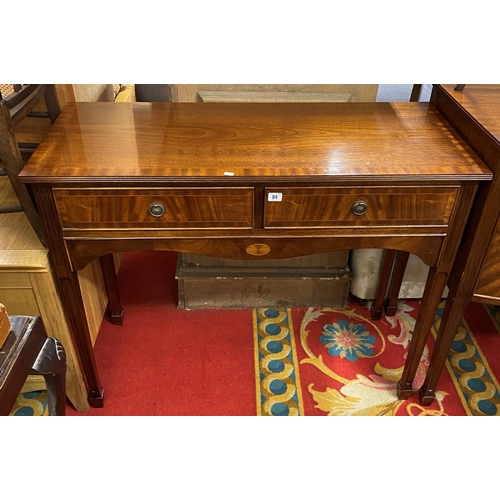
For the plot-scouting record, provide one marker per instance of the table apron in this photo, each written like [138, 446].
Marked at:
[259, 247]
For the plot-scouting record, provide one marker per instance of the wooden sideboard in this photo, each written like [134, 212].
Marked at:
[252, 181]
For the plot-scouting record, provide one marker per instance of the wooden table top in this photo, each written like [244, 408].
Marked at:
[122, 142]
[482, 102]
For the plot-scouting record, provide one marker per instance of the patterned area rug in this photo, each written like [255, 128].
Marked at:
[31, 404]
[323, 361]
[339, 362]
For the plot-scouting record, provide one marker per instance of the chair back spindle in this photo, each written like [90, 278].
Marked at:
[14, 108]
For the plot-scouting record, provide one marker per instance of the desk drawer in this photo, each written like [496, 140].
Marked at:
[375, 206]
[172, 208]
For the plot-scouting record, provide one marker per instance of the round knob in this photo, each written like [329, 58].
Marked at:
[359, 208]
[156, 209]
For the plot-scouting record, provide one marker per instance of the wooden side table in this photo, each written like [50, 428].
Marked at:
[28, 351]
[252, 181]
[475, 115]
[474, 111]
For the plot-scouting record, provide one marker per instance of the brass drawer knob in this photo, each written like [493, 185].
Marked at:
[156, 209]
[359, 208]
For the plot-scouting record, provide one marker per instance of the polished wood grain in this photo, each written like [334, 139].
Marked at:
[184, 208]
[270, 93]
[25, 116]
[233, 207]
[127, 142]
[387, 206]
[85, 250]
[475, 113]
[482, 102]
[101, 165]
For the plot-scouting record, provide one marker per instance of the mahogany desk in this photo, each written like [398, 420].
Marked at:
[252, 181]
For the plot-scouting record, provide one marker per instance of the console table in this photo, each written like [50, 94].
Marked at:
[252, 181]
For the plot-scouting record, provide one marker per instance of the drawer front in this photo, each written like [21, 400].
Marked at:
[359, 206]
[157, 208]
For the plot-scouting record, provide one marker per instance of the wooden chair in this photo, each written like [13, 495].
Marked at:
[14, 108]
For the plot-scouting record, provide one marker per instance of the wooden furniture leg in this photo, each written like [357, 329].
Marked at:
[452, 316]
[461, 288]
[114, 307]
[434, 288]
[415, 92]
[71, 297]
[377, 308]
[433, 293]
[51, 363]
[391, 305]
[75, 311]
[472, 261]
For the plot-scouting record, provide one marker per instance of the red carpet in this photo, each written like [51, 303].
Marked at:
[166, 361]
